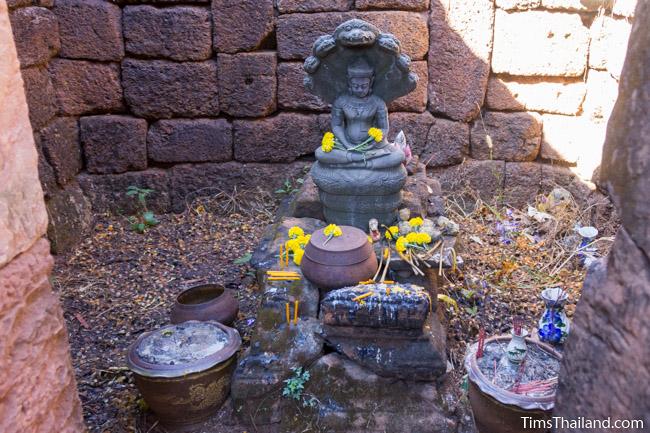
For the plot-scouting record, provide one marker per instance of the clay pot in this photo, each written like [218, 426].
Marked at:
[497, 410]
[185, 390]
[342, 261]
[205, 302]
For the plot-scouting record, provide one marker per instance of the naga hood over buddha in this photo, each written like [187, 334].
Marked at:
[359, 174]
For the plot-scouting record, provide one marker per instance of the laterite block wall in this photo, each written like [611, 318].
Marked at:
[180, 95]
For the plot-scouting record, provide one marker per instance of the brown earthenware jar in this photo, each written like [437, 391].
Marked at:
[205, 302]
[497, 410]
[183, 371]
[342, 261]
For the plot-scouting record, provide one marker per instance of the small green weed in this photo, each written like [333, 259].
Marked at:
[295, 385]
[290, 187]
[144, 218]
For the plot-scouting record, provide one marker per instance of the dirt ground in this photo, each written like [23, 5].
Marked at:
[120, 283]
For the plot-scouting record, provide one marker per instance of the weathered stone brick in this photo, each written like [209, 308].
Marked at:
[60, 143]
[292, 93]
[447, 143]
[161, 89]
[188, 181]
[522, 183]
[107, 192]
[296, 33]
[459, 53]
[36, 35]
[609, 39]
[602, 91]
[417, 99]
[415, 126]
[242, 25]
[290, 6]
[514, 136]
[624, 8]
[21, 3]
[84, 87]
[70, 218]
[45, 170]
[248, 84]
[37, 372]
[177, 33]
[518, 4]
[539, 43]
[114, 144]
[408, 5]
[41, 98]
[281, 138]
[577, 5]
[575, 140]
[182, 140]
[90, 29]
[550, 95]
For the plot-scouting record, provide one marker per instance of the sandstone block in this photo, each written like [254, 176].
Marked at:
[114, 144]
[83, 87]
[602, 91]
[459, 57]
[45, 171]
[514, 136]
[292, 93]
[181, 140]
[624, 8]
[550, 95]
[20, 3]
[307, 203]
[577, 5]
[90, 29]
[37, 370]
[484, 177]
[107, 192]
[290, 6]
[510, 5]
[416, 100]
[248, 84]
[70, 218]
[415, 126]
[447, 143]
[60, 144]
[188, 181]
[281, 138]
[179, 33]
[557, 175]
[41, 98]
[296, 33]
[609, 38]
[409, 5]
[539, 43]
[36, 35]
[242, 25]
[522, 183]
[161, 89]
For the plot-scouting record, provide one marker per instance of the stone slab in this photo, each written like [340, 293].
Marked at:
[409, 5]
[195, 140]
[242, 25]
[36, 35]
[415, 101]
[90, 29]
[609, 38]
[459, 56]
[447, 143]
[514, 136]
[539, 43]
[60, 144]
[41, 98]
[70, 218]
[291, 6]
[292, 93]
[248, 84]
[178, 33]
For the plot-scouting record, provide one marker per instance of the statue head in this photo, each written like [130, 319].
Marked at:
[360, 78]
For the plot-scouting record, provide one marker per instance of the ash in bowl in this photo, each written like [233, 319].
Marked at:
[182, 344]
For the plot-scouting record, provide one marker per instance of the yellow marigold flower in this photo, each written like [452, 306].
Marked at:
[328, 142]
[412, 238]
[292, 245]
[302, 241]
[391, 232]
[295, 232]
[307, 239]
[297, 256]
[376, 134]
[400, 244]
[423, 238]
[333, 230]
[369, 238]
[416, 222]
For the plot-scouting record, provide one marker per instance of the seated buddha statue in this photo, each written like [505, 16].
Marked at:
[359, 174]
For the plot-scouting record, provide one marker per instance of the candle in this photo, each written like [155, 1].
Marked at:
[288, 315]
[281, 258]
[295, 312]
